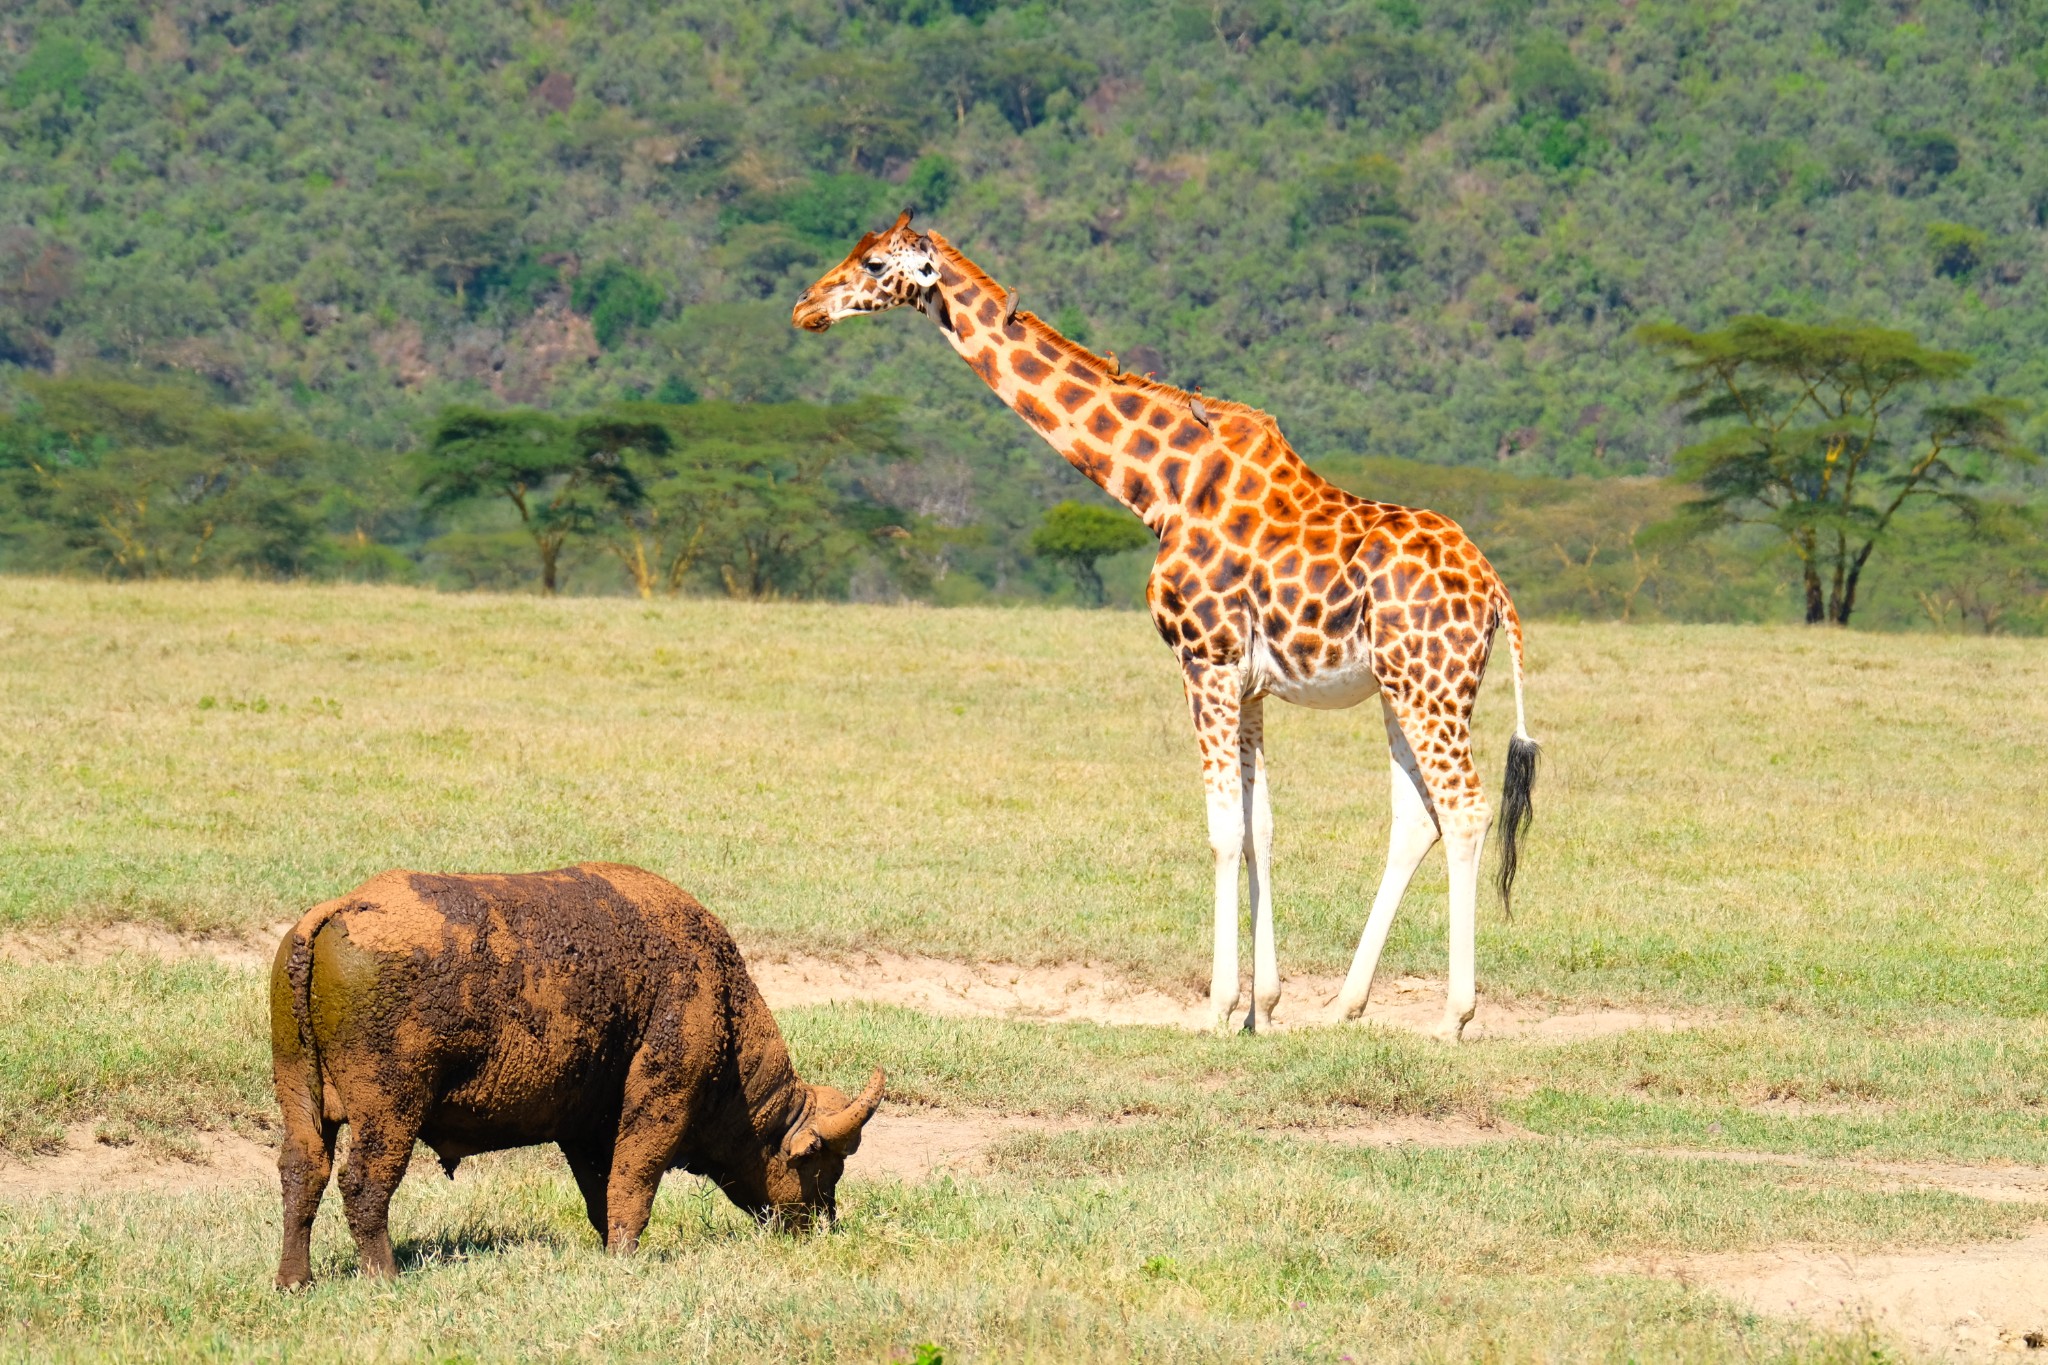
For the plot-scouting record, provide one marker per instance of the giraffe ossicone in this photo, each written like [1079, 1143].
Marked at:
[1270, 582]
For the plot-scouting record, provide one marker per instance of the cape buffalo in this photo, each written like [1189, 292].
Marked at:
[596, 1007]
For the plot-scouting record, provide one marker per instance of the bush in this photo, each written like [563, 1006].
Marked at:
[932, 182]
[1958, 250]
[617, 299]
[58, 67]
[1926, 156]
[836, 208]
[1547, 79]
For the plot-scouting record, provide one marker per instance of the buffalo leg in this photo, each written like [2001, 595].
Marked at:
[303, 1165]
[661, 1098]
[379, 1150]
[592, 1167]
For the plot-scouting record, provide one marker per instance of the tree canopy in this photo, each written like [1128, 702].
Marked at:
[1419, 232]
[1081, 534]
[1826, 432]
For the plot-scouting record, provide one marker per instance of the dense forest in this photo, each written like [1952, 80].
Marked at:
[1423, 235]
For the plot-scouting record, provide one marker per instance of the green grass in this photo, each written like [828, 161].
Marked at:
[1164, 1240]
[1825, 844]
[1820, 821]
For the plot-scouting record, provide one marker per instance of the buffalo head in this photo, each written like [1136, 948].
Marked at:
[797, 1179]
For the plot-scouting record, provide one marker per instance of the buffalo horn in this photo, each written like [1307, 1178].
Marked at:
[841, 1127]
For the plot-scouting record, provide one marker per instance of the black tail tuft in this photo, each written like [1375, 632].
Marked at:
[1516, 812]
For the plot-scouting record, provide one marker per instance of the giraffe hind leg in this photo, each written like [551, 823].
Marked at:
[1441, 739]
[1411, 834]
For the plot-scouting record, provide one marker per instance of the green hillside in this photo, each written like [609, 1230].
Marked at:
[1418, 231]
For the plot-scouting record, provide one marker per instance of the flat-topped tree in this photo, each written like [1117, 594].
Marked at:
[1270, 581]
[563, 478]
[1825, 434]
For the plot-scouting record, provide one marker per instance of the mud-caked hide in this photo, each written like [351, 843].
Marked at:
[597, 1007]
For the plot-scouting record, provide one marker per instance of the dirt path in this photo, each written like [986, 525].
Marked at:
[253, 948]
[1962, 1303]
[1073, 991]
[913, 1142]
[94, 1168]
[904, 1143]
[990, 990]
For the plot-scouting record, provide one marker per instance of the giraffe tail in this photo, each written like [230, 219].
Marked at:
[1516, 809]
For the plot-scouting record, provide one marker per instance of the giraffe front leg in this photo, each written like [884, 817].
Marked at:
[1258, 852]
[1216, 712]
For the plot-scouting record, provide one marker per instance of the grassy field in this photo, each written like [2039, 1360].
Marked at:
[1826, 846]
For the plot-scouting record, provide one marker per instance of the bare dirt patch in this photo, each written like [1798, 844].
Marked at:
[253, 948]
[901, 1143]
[1966, 1303]
[1075, 992]
[86, 1166]
[1066, 992]
[913, 1144]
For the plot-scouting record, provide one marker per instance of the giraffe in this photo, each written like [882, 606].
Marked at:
[1270, 582]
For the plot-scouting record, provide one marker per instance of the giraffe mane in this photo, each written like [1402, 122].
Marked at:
[1218, 408]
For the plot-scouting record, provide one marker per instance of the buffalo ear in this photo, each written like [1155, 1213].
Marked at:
[802, 1139]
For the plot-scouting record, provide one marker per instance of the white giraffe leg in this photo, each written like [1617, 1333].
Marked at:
[1464, 842]
[1226, 842]
[1216, 708]
[1411, 834]
[1258, 852]
[1444, 763]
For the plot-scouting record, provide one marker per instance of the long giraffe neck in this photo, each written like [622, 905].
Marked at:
[1156, 449]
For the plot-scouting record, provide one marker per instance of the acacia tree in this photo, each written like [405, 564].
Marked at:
[1079, 534]
[1827, 436]
[155, 481]
[748, 490]
[563, 479]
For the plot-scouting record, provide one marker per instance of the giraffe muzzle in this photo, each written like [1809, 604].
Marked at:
[810, 315]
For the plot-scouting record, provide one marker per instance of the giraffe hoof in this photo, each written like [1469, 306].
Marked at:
[1452, 1029]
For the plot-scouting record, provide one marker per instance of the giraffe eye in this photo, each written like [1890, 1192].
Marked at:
[875, 267]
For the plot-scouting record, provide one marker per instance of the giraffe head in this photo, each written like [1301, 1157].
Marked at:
[884, 270]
